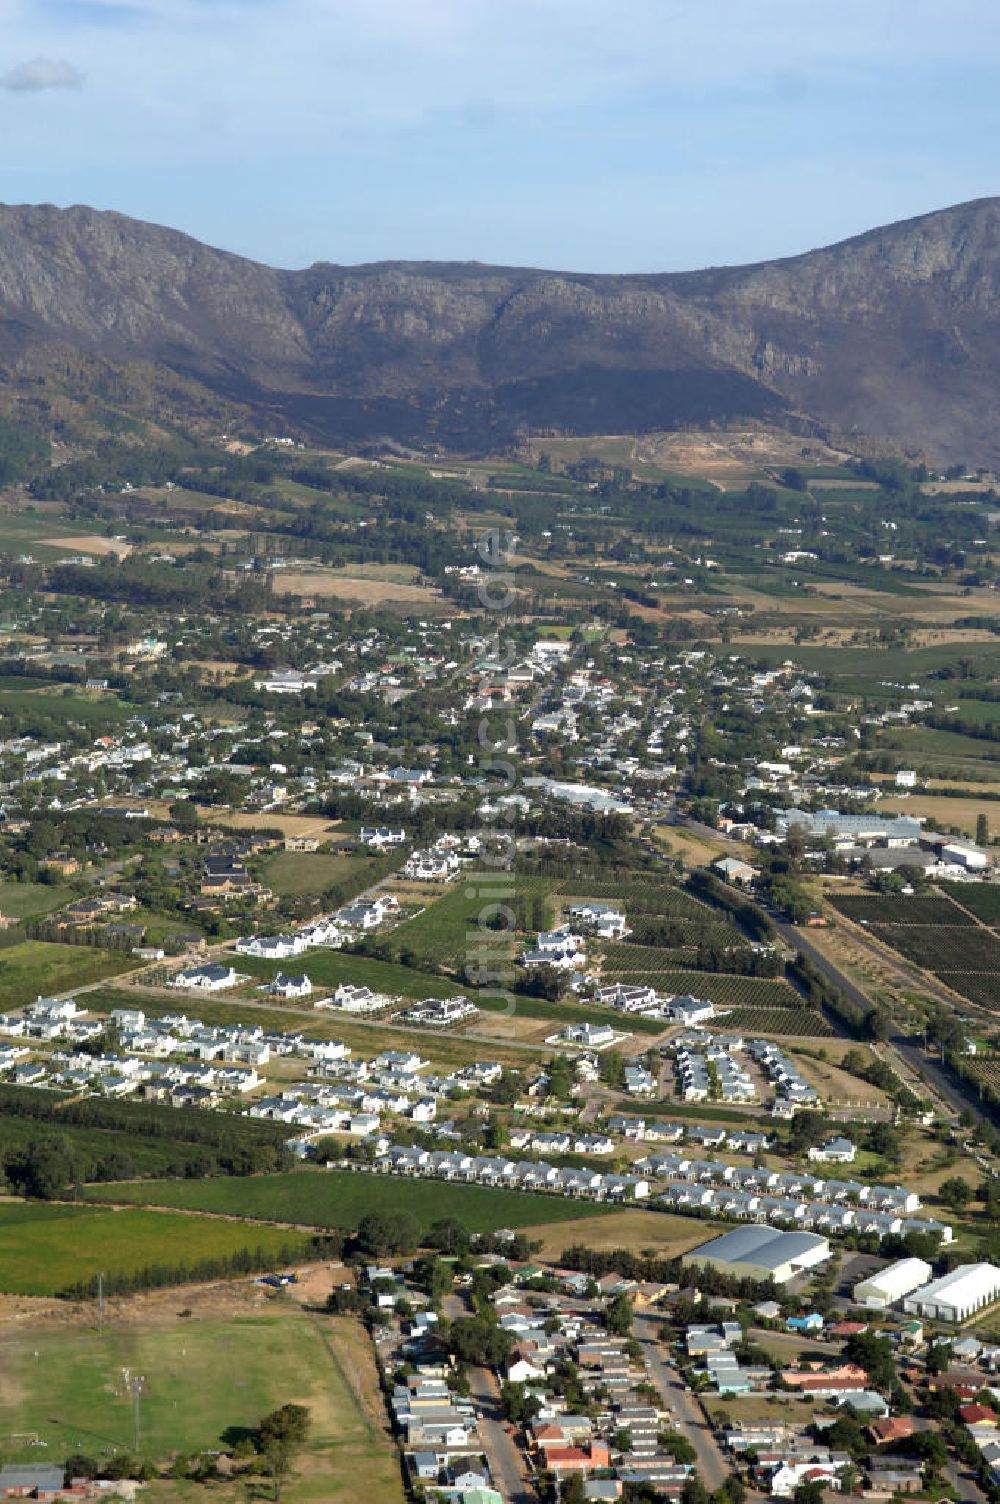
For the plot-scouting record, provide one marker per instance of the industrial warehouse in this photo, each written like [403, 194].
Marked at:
[885, 1288]
[955, 1296]
[761, 1253]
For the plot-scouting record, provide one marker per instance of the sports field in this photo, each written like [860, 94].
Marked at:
[205, 1381]
[340, 1198]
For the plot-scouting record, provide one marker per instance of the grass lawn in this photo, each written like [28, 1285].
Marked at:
[45, 1249]
[307, 874]
[204, 1380]
[39, 968]
[447, 931]
[26, 900]
[340, 1198]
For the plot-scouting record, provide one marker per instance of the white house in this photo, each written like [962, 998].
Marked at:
[283, 986]
[836, 1151]
[271, 947]
[210, 978]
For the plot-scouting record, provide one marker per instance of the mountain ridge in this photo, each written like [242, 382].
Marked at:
[892, 335]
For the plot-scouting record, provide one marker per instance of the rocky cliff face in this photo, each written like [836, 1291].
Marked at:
[893, 334]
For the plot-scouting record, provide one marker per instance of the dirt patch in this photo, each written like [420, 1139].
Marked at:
[289, 825]
[86, 544]
[635, 1230]
[328, 582]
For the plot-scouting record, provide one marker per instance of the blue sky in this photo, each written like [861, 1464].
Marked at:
[604, 135]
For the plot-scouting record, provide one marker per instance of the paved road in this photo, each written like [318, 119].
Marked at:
[507, 1461]
[685, 1414]
[502, 1452]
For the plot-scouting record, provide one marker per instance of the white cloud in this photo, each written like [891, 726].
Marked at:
[41, 73]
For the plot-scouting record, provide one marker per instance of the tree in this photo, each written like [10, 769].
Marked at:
[280, 1434]
[475, 1339]
[937, 1357]
[809, 1493]
[731, 1492]
[448, 1236]
[884, 1140]
[680, 1449]
[43, 1169]
[955, 1192]
[875, 1355]
[184, 814]
[694, 1490]
[572, 1490]
[618, 1316]
[982, 829]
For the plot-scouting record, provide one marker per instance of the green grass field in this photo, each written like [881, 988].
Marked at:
[38, 968]
[46, 1249]
[328, 968]
[206, 1380]
[27, 900]
[307, 874]
[447, 931]
[340, 1198]
[65, 704]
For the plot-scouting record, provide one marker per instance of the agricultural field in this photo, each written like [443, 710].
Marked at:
[723, 989]
[39, 968]
[801, 1022]
[65, 704]
[944, 947]
[685, 931]
[981, 899]
[978, 986]
[897, 909]
[340, 1198]
[941, 811]
[207, 1378]
[987, 1071]
[636, 897]
[46, 1249]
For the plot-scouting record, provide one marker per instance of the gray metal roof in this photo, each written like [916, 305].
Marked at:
[759, 1245]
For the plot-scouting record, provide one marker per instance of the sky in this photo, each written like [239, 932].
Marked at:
[597, 135]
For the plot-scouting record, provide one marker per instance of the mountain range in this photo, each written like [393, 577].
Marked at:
[891, 337]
